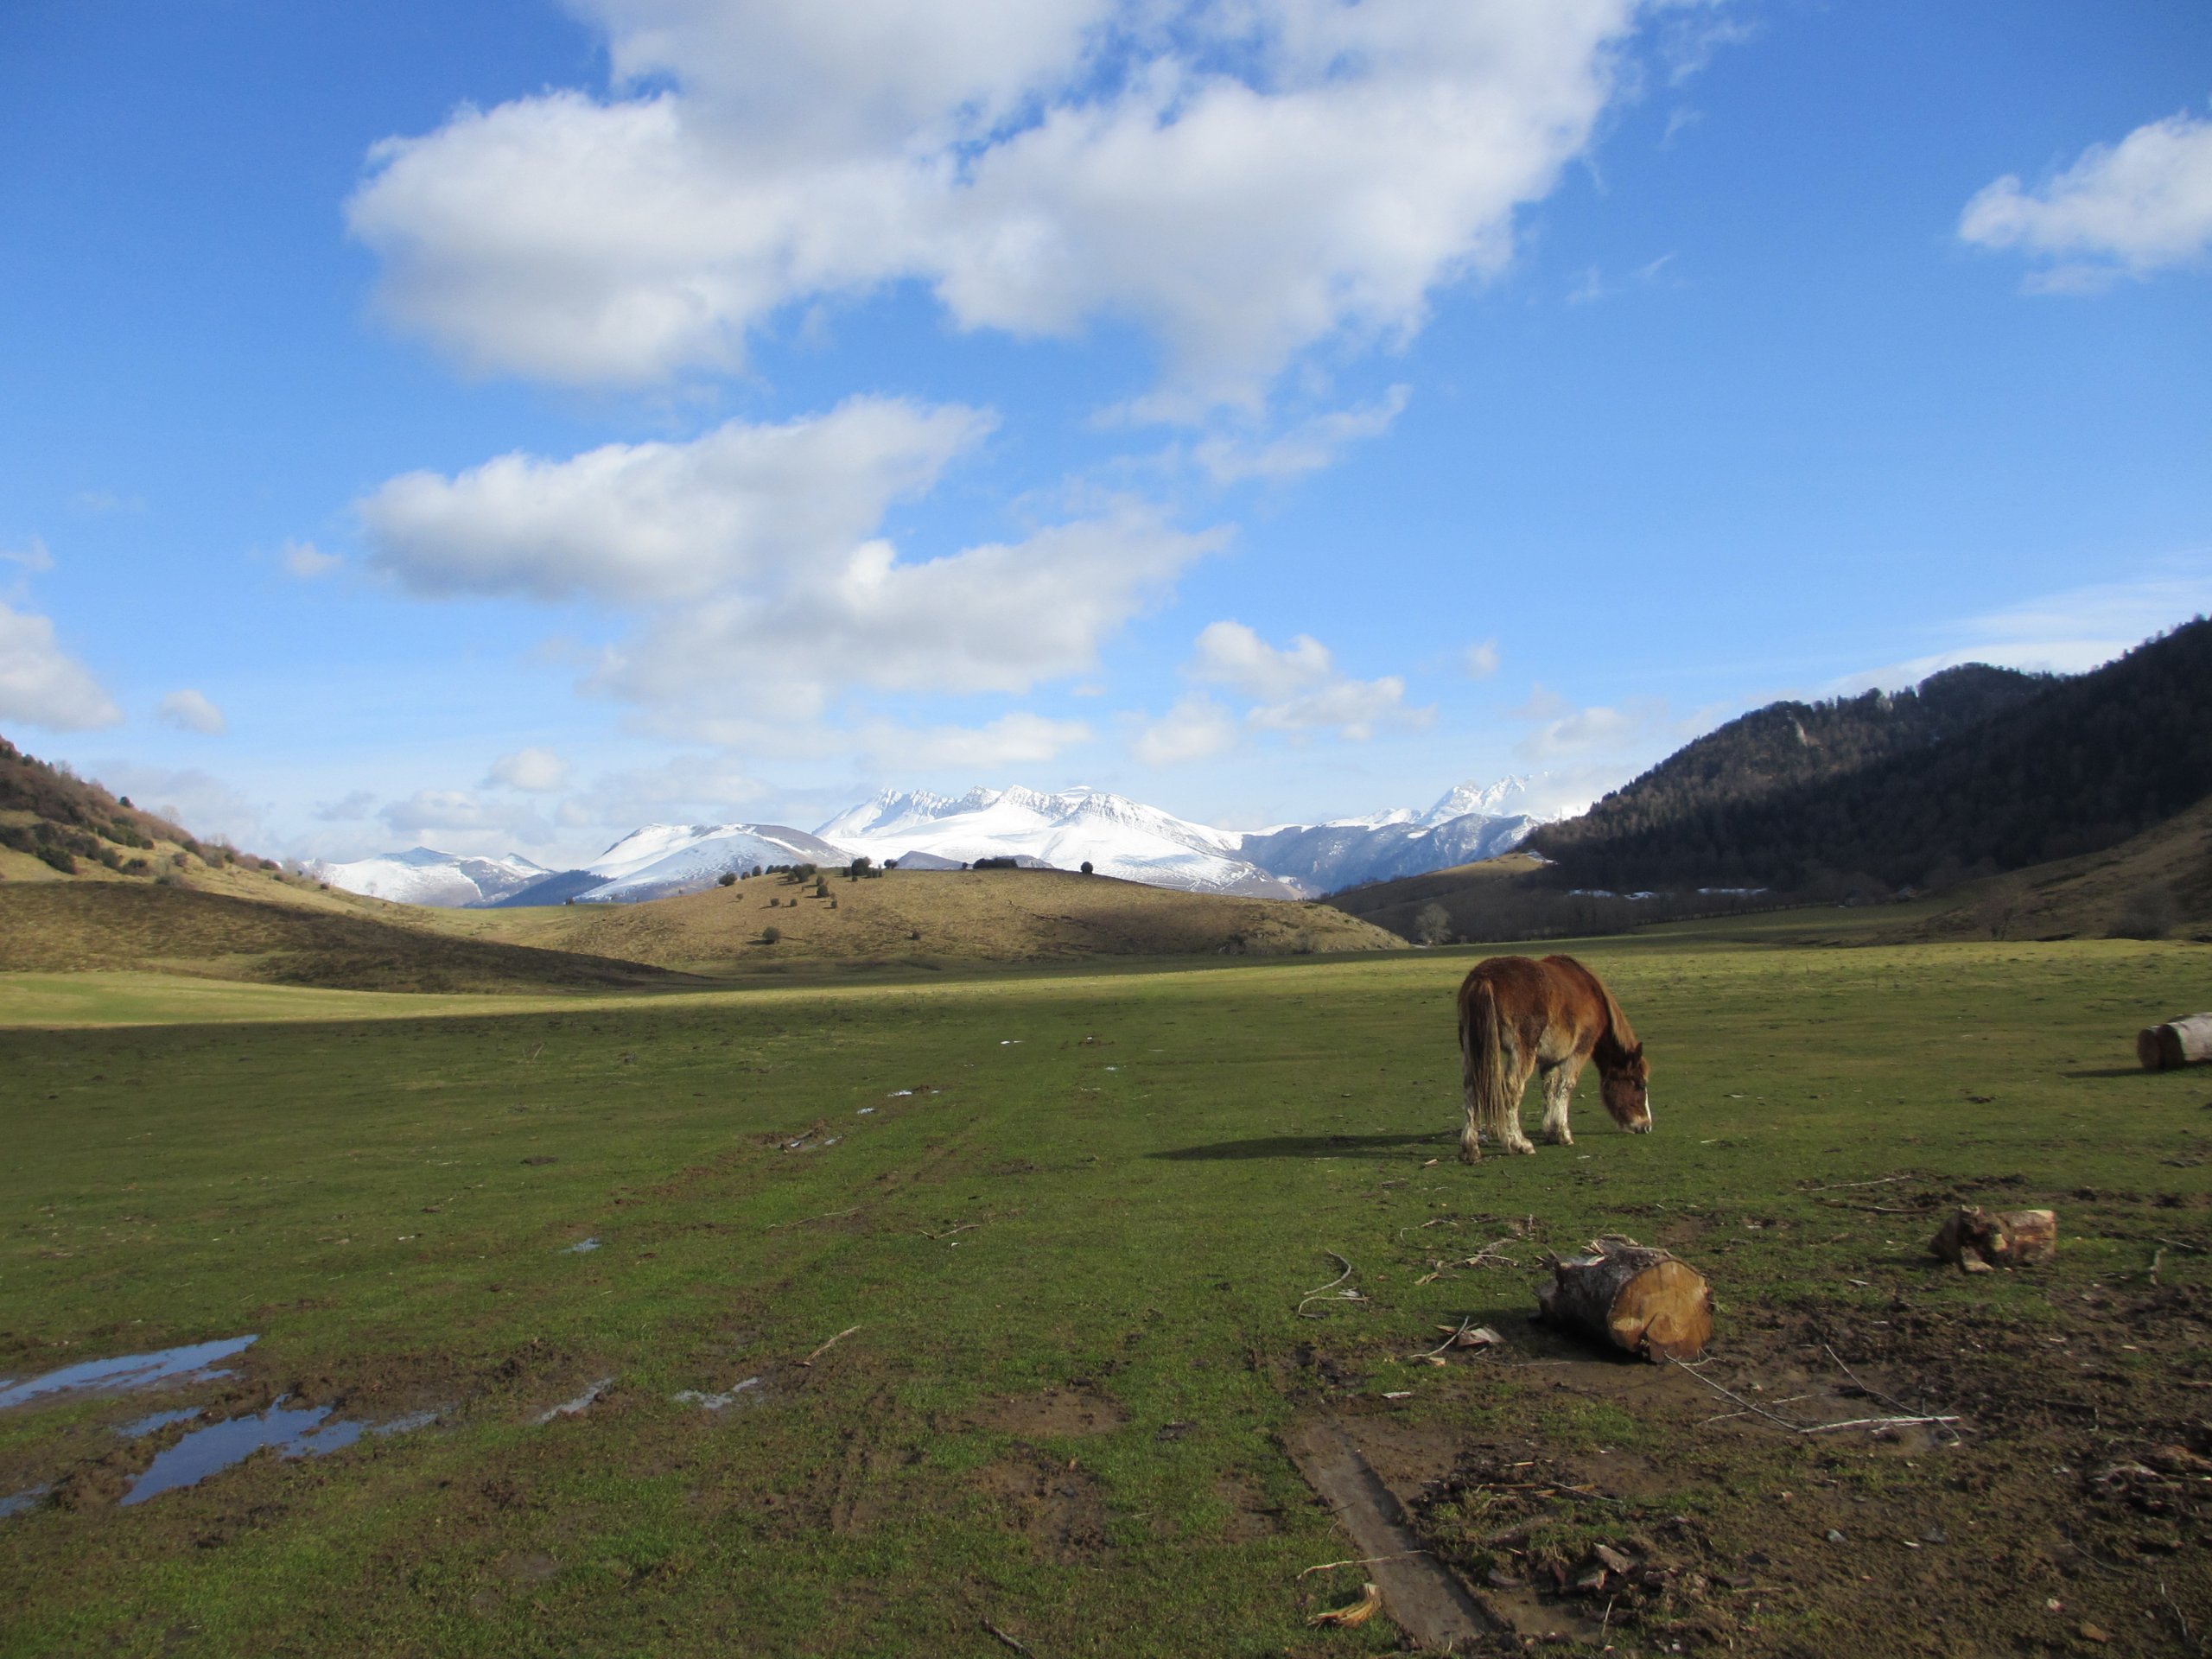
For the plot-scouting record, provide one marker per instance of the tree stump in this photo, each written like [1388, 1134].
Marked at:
[2185, 1041]
[1975, 1240]
[1631, 1297]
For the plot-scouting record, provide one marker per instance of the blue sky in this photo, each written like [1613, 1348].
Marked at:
[499, 426]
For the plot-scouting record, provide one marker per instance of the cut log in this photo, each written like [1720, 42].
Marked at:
[2185, 1041]
[1631, 1297]
[1975, 1240]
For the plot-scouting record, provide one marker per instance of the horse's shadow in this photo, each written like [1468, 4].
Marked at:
[1300, 1145]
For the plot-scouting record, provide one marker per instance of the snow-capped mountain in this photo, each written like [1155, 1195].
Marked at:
[1472, 821]
[1116, 836]
[663, 860]
[421, 876]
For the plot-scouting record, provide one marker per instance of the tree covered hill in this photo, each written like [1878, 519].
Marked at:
[1976, 769]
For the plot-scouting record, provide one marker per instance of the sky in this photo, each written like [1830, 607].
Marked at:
[497, 427]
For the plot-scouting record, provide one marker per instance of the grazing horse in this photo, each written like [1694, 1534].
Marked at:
[1517, 1016]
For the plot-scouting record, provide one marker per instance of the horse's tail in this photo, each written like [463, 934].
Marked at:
[1487, 1068]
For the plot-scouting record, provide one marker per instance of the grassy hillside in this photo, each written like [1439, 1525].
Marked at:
[2081, 765]
[1075, 1272]
[87, 926]
[926, 916]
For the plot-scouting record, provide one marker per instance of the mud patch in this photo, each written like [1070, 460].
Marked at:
[1252, 1514]
[1051, 1415]
[1060, 1510]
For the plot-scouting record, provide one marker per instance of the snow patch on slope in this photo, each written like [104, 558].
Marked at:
[421, 875]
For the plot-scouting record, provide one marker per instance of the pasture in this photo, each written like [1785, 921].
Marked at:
[1065, 1231]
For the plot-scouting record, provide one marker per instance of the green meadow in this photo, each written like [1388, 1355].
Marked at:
[1062, 1228]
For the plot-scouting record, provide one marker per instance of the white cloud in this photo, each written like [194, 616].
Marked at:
[1244, 180]
[634, 524]
[536, 770]
[190, 711]
[2135, 207]
[1306, 448]
[306, 561]
[31, 556]
[686, 786]
[1018, 738]
[41, 684]
[1479, 661]
[2066, 632]
[1000, 617]
[457, 810]
[1562, 729]
[1296, 688]
[205, 806]
[1196, 729]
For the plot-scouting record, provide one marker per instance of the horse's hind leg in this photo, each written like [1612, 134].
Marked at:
[1559, 1090]
[1509, 1124]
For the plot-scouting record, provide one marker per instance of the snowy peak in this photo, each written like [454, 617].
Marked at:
[423, 875]
[1490, 800]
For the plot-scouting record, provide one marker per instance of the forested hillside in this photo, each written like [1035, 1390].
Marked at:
[1981, 769]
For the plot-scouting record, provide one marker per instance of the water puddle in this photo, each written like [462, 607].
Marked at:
[581, 1247]
[581, 1402]
[714, 1402]
[295, 1434]
[193, 1363]
[17, 1503]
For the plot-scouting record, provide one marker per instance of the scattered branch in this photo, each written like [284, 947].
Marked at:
[1018, 1646]
[1364, 1561]
[1839, 1187]
[1341, 1295]
[827, 1345]
[1813, 1428]
[1434, 1352]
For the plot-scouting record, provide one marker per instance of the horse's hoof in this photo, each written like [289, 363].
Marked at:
[1522, 1145]
[1470, 1156]
[1560, 1139]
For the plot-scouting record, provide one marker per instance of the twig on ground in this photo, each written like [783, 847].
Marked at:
[1363, 1560]
[2156, 1259]
[1018, 1646]
[1890, 1401]
[1812, 1428]
[2174, 1607]
[1881, 1209]
[965, 1227]
[1838, 1186]
[827, 1345]
[1341, 1295]
[1448, 1341]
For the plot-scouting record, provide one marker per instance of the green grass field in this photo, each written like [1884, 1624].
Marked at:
[1076, 1255]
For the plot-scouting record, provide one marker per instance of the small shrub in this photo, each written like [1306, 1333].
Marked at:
[821, 887]
[770, 935]
[59, 860]
[727, 879]
[1086, 866]
[2150, 914]
[858, 867]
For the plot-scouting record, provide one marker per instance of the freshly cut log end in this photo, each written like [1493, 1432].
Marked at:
[1975, 1240]
[2184, 1041]
[1631, 1297]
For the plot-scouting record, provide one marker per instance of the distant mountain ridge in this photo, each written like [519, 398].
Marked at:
[1116, 836]
[1975, 768]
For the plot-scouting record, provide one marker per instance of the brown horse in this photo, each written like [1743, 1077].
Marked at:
[1517, 1016]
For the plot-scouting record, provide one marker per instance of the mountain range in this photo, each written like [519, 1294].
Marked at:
[1116, 836]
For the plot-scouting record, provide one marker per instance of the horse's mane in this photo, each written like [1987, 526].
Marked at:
[1617, 1041]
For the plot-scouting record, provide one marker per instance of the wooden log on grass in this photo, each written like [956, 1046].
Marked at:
[1975, 1240]
[2185, 1041]
[1630, 1297]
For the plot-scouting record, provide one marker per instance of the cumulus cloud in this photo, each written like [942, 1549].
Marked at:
[190, 711]
[538, 771]
[1245, 180]
[1296, 688]
[41, 684]
[633, 524]
[2141, 206]
[1306, 448]
[1014, 740]
[1196, 729]
[306, 561]
[1000, 617]
[1479, 661]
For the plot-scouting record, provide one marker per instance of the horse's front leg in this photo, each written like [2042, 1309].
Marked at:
[1559, 1090]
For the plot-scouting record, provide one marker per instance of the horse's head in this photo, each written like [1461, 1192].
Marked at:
[1627, 1090]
